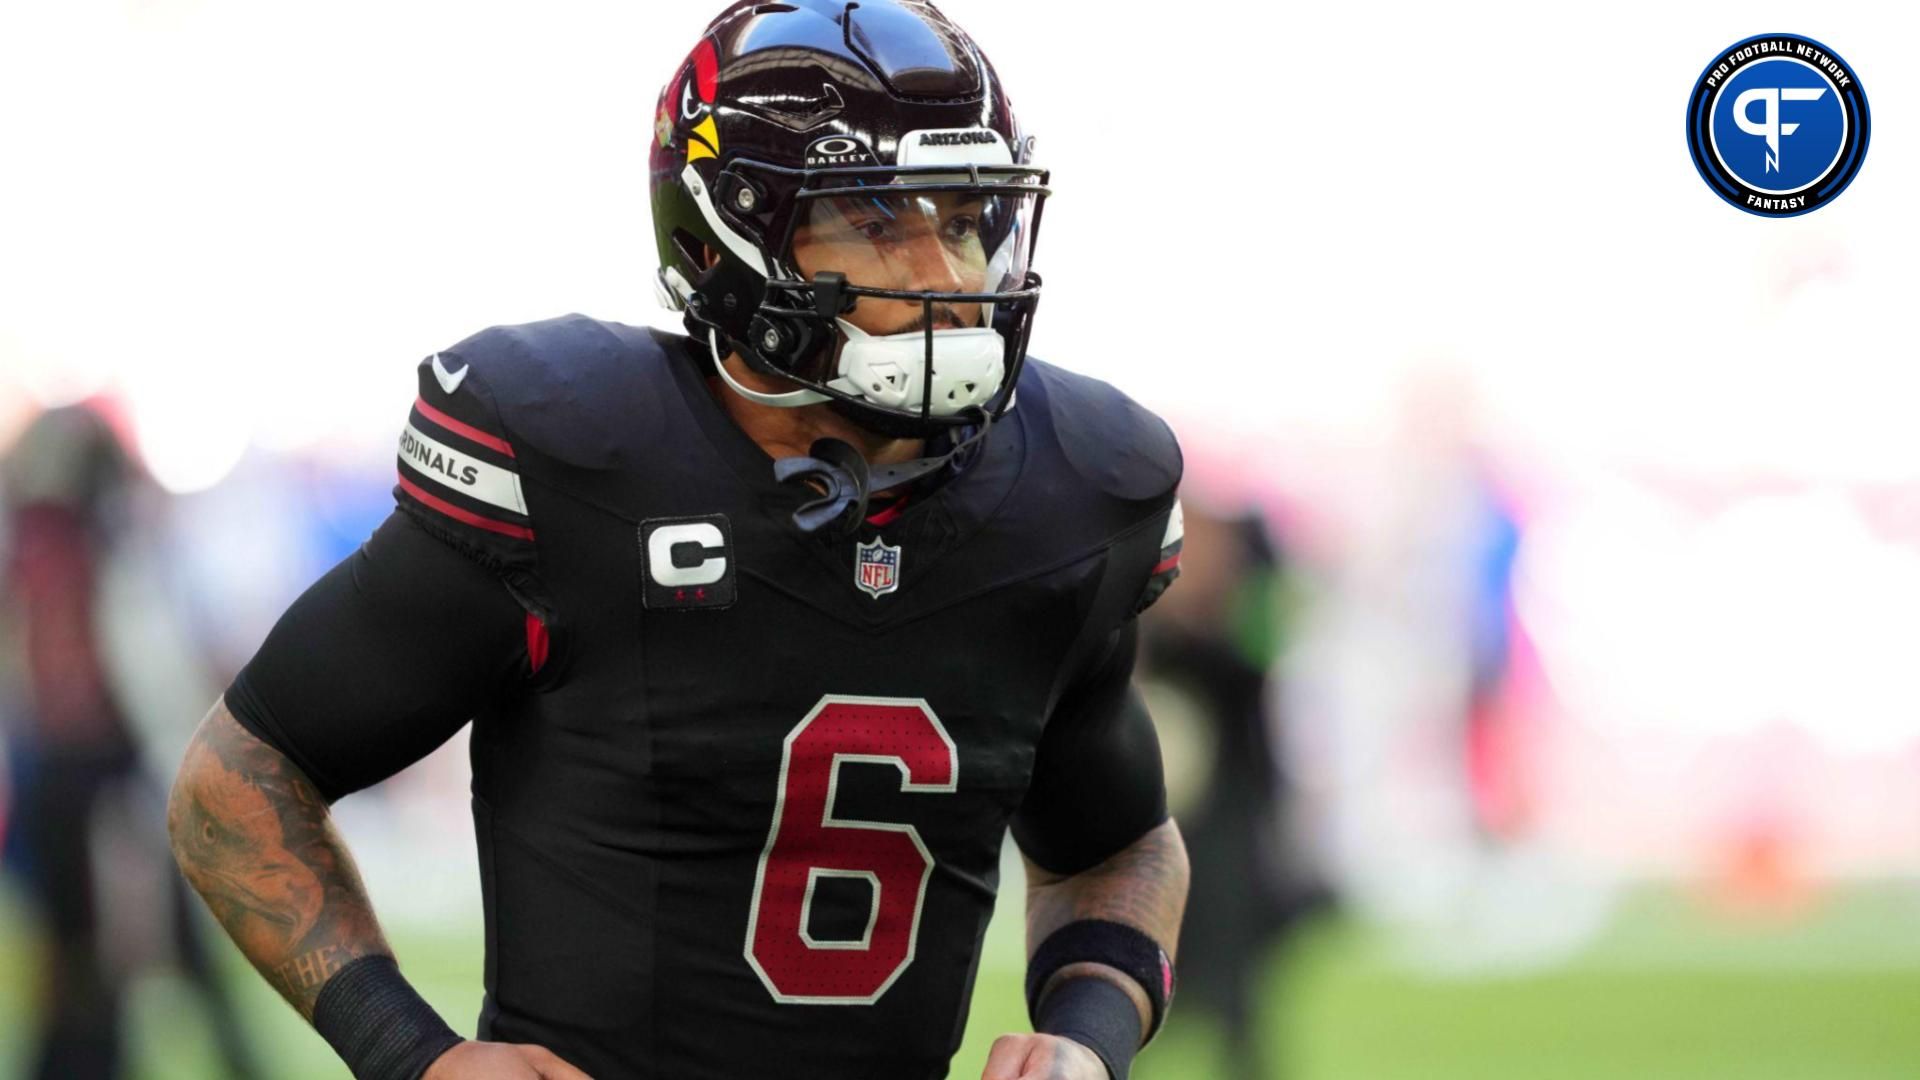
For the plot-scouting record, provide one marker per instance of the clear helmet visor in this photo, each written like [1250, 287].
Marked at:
[936, 261]
[963, 242]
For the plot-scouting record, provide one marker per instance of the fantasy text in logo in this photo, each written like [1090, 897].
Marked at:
[1777, 125]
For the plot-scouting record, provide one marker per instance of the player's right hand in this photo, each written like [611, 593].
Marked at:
[500, 1061]
[1041, 1057]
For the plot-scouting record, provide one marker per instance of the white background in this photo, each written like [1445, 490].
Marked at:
[265, 213]
[250, 220]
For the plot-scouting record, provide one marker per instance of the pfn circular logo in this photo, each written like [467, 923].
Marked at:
[1778, 125]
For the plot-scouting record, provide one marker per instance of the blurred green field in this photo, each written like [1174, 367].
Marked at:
[1667, 991]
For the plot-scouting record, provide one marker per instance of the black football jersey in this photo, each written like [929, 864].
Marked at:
[743, 814]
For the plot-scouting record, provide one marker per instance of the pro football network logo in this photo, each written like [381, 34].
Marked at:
[1778, 125]
[877, 568]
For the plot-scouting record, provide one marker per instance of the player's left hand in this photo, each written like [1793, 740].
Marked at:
[1041, 1057]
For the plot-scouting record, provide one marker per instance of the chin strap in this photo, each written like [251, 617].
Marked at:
[790, 399]
[848, 480]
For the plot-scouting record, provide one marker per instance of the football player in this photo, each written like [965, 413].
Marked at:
[767, 633]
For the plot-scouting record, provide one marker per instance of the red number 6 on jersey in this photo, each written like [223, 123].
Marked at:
[806, 843]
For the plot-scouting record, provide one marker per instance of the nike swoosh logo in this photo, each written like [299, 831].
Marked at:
[449, 380]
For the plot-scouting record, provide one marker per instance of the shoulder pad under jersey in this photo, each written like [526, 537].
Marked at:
[1130, 464]
[573, 388]
[1111, 441]
[459, 471]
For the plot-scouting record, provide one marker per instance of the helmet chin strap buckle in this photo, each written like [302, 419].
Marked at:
[830, 297]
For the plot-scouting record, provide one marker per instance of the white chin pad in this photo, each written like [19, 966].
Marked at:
[967, 368]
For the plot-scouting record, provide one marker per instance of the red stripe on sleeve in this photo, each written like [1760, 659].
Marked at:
[467, 516]
[492, 442]
[1166, 564]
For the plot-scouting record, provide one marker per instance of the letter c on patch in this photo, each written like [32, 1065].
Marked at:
[708, 570]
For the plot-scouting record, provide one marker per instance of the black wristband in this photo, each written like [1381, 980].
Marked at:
[1116, 945]
[378, 1024]
[1098, 1015]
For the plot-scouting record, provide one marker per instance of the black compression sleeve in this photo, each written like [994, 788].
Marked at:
[1099, 1016]
[1097, 784]
[381, 660]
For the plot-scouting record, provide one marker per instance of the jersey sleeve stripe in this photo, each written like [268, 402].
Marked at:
[1176, 526]
[471, 477]
[491, 442]
[478, 521]
[1167, 569]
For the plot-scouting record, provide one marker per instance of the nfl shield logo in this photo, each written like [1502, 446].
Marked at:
[877, 570]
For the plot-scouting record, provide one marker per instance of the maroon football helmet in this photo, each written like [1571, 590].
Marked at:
[815, 155]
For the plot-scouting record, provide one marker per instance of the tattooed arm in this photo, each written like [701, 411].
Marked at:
[257, 842]
[379, 662]
[1144, 886]
[376, 664]
[1099, 849]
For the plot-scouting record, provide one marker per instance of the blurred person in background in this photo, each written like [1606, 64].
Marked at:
[81, 799]
[1403, 665]
[1496, 774]
[1208, 653]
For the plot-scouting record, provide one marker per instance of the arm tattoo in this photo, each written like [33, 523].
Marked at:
[1143, 885]
[255, 840]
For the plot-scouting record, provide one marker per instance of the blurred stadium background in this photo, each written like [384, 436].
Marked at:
[1541, 699]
